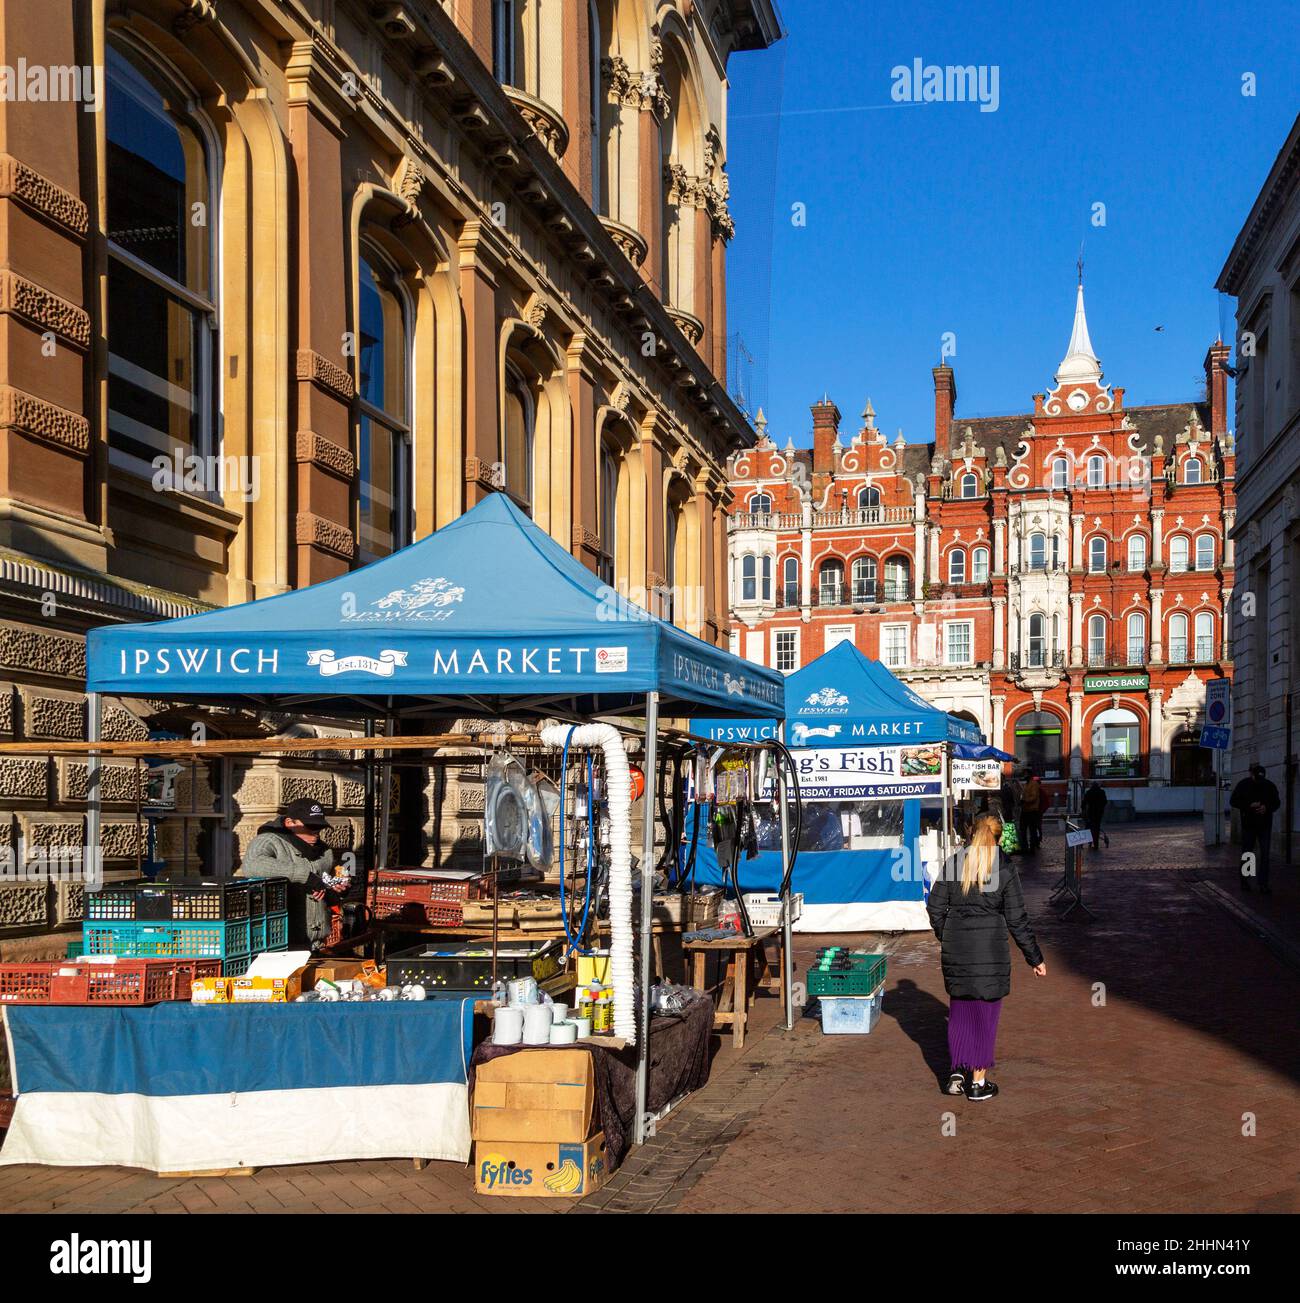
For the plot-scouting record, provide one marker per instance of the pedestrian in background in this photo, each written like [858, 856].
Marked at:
[1032, 800]
[1094, 810]
[975, 902]
[1009, 795]
[1255, 798]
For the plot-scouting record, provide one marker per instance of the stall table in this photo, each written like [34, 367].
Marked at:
[747, 970]
[186, 1088]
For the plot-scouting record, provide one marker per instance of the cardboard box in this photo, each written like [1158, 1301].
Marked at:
[342, 970]
[541, 1169]
[535, 1095]
[210, 990]
[265, 990]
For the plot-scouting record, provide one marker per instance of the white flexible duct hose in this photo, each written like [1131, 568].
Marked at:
[618, 793]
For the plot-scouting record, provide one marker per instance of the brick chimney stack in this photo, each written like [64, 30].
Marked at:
[826, 429]
[945, 400]
[1216, 386]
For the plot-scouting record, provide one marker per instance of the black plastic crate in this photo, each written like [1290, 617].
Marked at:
[196, 899]
[469, 967]
[114, 902]
[268, 895]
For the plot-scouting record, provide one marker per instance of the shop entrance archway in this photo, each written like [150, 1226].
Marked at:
[1038, 743]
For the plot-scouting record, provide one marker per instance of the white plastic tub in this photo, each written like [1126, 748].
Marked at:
[850, 1015]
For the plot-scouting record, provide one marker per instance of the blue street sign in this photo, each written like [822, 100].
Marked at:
[1216, 737]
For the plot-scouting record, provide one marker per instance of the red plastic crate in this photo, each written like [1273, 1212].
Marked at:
[123, 982]
[433, 913]
[399, 884]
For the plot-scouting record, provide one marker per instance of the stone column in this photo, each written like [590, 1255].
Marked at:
[1158, 757]
[482, 253]
[934, 554]
[918, 568]
[1227, 634]
[999, 722]
[999, 636]
[576, 94]
[650, 201]
[1076, 736]
[720, 307]
[805, 563]
[1229, 546]
[1077, 652]
[703, 296]
[999, 547]
[1157, 626]
[325, 357]
[698, 609]
[653, 459]
[1158, 538]
[53, 459]
[1077, 559]
[586, 542]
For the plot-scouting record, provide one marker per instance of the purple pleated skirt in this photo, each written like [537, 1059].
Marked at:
[972, 1032]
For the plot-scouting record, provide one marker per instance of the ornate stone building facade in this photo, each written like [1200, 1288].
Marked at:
[1263, 273]
[1060, 577]
[285, 284]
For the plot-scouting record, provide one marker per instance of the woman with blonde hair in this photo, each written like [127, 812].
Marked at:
[975, 902]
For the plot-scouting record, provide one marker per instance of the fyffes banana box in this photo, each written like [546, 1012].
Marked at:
[540, 1170]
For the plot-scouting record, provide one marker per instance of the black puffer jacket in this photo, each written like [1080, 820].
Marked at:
[972, 930]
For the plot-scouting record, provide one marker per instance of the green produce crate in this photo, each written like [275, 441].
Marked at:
[846, 973]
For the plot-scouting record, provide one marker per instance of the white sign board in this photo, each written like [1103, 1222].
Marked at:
[1078, 837]
[870, 773]
[978, 776]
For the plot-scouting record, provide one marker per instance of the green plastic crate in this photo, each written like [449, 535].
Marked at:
[864, 976]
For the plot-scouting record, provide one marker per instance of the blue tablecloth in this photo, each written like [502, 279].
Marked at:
[183, 1087]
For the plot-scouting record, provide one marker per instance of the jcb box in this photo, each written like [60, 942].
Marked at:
[540, 1170]
[535, 1095]
[210, 990]
[265, 990]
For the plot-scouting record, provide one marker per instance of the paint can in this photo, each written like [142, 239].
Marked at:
[507, 1026]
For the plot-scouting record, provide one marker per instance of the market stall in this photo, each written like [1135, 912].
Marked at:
[873, 758]
[487, 617]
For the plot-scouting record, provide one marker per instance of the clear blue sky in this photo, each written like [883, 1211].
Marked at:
[927, 218]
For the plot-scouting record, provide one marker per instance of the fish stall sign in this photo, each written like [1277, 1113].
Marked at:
[869, 773]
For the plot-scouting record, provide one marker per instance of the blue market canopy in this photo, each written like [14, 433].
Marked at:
[981, 751]
[487, 615]
[843, 698]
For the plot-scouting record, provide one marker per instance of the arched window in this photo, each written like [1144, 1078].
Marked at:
[383, 418]
[761, 504]
[162, 310]
[898, 579]
[748, 578]
[957, 566]
[767, 578]
[1205, 551]
[1137, 552]
[868, 498]
[1060, 473]
[864, 580]
[790, 581]
[1037, 640]
[1116, 745]
[1192, 471]
[1204, 637]
[608, 513]
[1096, 554]
[1096, 640]
[1056, 551]
[970, 486]
[1038, 551]
[830, 583]
[1038, 743]
[518, 423]
[1177, 639]
[1096, 472]
[1178, 550]
[595, 96]
[979, 565]
[1137, 639]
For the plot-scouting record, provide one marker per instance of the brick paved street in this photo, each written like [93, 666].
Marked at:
[1131, 1104]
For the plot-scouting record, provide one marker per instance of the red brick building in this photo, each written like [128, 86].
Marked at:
[1058, 576]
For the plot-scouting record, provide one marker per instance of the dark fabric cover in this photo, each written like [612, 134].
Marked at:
[972, 930]
[679, 1064]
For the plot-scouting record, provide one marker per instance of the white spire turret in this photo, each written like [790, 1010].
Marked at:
[1080, 362]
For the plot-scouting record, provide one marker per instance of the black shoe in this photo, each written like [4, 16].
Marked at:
[981, 1090]
[956, 1082]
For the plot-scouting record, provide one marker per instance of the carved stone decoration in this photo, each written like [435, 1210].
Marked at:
[621, 397]
[488, 475]
[586, 538]
[544, 121]
[689, 324]
[194, 14]
[409, 180]
[48, 422]
[535, 311]
[632, 244]
[43, 309]
[393, 19]
[327, 375]
[328, 535]
[42, 196]
[325, 453]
